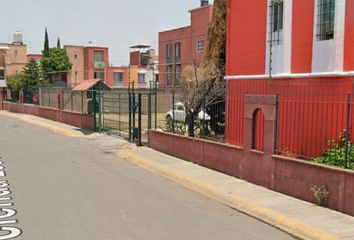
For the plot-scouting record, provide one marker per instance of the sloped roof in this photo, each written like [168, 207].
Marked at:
[90, 83]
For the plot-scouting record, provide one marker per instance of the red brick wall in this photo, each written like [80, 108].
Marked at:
[288, 176]
[83, 121]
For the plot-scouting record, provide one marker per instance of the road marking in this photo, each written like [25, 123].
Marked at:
[12, 233]
[7, 232]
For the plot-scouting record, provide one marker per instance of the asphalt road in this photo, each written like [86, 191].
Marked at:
[75, 189]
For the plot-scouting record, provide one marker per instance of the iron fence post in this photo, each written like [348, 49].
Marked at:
[119, 114]
[155, 104]
[94, 105]
[149, 111]
[130, 113]
[71, 101]
[276, 124]
[100, 109]
[40, 96]
[347, 134]
[139, 120]
[173, 111]
[134, 111]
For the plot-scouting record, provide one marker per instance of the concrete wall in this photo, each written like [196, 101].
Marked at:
[83, 121]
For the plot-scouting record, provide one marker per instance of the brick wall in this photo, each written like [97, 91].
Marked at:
[288, 176]
[83, 121]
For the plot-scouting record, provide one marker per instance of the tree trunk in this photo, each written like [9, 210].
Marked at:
[190, 119]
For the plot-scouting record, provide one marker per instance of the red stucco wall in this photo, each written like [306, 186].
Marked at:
[349, 37]
[302, 36]
[246, 40]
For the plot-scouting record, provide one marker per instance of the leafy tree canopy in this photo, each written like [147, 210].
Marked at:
[33, 74]
[16, 82]
[56, 61]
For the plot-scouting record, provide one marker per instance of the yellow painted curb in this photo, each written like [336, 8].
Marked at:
[31, 119]
[276, 219]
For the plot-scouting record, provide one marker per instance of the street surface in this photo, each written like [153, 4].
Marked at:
[66, 188]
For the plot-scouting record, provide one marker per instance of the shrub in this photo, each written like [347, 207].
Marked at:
[335, 154]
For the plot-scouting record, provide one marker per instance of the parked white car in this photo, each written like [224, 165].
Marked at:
[180, 114]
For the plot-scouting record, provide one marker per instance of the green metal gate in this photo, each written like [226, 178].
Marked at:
[126, 112]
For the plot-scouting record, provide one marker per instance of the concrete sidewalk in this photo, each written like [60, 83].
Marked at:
[302, 219]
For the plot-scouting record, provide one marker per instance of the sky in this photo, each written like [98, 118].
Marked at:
[116, 24]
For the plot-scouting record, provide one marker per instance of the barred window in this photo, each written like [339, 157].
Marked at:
[200, 46]
[177, 75]
[168, 53]
[276, 10]
[169, 76]
[325, 19]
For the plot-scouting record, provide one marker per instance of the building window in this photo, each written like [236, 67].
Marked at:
[75, 56]
[200, 46]
[177, 52]
[178, 75]
[141, 78]
[325, 19]
[276, 10]
[2, 74]
[99, 75]
[15, 53]
[168, 53]
[98, 55]
[169, 76]
[118, 79]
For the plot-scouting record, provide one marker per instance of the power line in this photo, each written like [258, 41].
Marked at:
[96, 13]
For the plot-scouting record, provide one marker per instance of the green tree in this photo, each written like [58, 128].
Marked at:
[56, 62]
[33, 74]
[16, 82]
[203, 86]
[45, 51]
[58, 43]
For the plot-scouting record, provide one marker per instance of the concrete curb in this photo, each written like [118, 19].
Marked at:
[30, 119]
[290, 225]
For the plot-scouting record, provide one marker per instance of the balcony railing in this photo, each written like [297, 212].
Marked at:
[99, 65]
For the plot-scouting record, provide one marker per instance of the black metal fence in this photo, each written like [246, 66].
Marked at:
[208, 123]
[317, 126]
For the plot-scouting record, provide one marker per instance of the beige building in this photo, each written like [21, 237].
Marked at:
[13, 57]
[76, 57]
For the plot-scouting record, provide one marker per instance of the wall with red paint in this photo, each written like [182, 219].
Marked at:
[247, 31]
[302, 36]
[349, 37]
[187, 36]
[305, 106]
[89, 61]
[288, 176]
[110, 75]
[83, 121]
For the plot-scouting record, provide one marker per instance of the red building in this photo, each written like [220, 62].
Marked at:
[183, 46]
[301, 51]
[96, 62]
